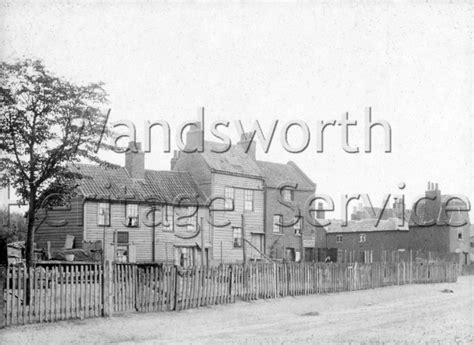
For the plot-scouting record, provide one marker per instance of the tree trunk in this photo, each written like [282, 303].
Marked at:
[30, 236]
[30, 239]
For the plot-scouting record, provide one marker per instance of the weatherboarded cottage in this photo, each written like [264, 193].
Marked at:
[234, 186]
[143, 215]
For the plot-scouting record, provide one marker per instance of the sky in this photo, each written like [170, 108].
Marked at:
[411, 62]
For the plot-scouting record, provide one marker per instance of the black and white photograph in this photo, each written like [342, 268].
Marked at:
[236, 172]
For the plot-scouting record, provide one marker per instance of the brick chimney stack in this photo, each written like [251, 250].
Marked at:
[249, 147]
[355, 215]
[398, 208]
[320, 214]
[195, 138]
[135, 161]
[433, 202]
[174, 160]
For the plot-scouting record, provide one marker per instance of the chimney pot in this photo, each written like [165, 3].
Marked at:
[174, 160]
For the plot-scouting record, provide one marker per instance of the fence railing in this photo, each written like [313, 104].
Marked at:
[69, 291]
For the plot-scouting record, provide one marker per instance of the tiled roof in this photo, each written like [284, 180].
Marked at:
[233, 161]
[116, 184]
[276, 173]
[366, 225]
[368, 213]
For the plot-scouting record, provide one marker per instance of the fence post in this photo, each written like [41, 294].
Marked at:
[398, 273]
[275, 273]
[3, 307]
[175, 287]
[107, 291]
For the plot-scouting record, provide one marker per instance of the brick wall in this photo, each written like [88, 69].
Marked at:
[276, 244]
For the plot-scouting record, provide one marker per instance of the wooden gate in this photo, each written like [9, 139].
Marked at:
[143, 288]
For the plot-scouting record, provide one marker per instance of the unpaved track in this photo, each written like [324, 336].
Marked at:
[412, 313]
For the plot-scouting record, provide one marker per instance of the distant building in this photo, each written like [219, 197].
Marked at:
[435, 229]
[366, 241]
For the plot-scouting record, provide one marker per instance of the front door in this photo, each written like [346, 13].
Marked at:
[290, 254]
[257, 242]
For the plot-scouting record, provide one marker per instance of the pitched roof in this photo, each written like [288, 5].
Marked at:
[233, 161]
[368, 213]
[366, 225]
[116, 184]
[276, 173]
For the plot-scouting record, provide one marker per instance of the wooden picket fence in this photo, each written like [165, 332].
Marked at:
[54, 293]
[467, 270]
[68, 291]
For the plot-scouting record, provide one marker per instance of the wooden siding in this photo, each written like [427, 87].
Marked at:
[59, 223]
[223, 236]
[141, 236]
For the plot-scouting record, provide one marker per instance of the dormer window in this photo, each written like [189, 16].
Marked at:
[131, 216]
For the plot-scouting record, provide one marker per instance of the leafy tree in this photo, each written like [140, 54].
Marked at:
[46, 123]
[12, 226]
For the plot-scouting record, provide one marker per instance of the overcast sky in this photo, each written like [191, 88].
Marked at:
[412, 63]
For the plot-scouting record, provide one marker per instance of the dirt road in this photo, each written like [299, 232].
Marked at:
[411, 313]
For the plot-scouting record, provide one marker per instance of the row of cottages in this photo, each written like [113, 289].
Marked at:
[157, 216]
[365, 240]
[144, 215]
[259, 199]
[430, 231]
